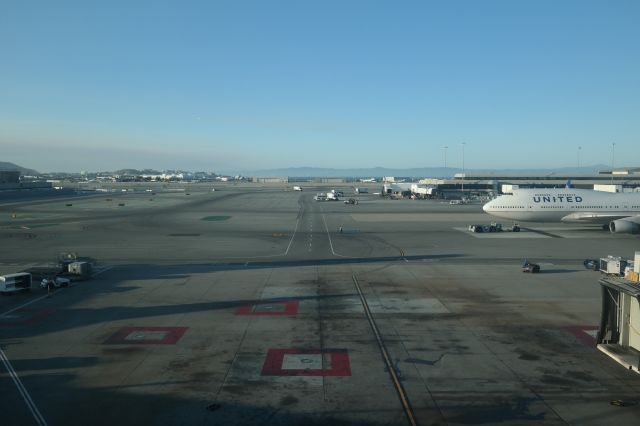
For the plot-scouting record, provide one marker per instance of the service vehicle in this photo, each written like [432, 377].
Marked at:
[533, 268]
[591, 264]
[79, 270]
[476, 228]
[13, 283]
[613, 265]
[57, 282]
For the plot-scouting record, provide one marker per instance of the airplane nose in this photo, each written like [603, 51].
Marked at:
[486, 206]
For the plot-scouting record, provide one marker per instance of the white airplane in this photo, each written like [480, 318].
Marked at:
[368, 180]
[620, 211]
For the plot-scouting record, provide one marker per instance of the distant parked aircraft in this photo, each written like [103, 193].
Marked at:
[620, 211]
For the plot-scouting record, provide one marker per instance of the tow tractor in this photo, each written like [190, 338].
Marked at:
[532, 268]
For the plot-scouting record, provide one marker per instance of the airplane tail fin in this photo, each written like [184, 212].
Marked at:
[569, 184]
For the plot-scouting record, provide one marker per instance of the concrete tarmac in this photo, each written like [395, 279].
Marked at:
[240, 307]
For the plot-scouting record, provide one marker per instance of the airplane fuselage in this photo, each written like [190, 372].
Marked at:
[566, 205]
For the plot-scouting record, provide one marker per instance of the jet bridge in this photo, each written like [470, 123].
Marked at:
[619, 333]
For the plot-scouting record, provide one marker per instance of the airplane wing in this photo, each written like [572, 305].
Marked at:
[596, 217]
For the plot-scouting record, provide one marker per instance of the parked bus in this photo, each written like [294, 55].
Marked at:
[15, 282]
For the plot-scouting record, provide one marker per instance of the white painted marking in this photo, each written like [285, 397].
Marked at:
[23, 305]
[11, 317]
[103, 270]
[23, 391]
[329, 235]
[270, 255]
[146, 335]
[413, 306]
[45, 296]
[592, 333]
[302, 362]
[290, 241]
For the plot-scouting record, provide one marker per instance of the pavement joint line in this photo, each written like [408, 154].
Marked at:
[404, 400]
[240, 343]
[23, 391]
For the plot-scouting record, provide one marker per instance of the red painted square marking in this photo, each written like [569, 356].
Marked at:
[24, 316]
[279, 307]
[307, 362]
[586, 333]
[147, 336]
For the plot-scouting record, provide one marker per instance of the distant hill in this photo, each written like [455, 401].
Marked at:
[413, 172]
[6, 166]
[137, 172]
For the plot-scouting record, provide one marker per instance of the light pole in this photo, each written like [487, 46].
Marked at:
[445, 157]
[613, 154]
[463, 173]
[579, 149]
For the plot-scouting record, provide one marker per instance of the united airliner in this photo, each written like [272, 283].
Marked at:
[620, 211]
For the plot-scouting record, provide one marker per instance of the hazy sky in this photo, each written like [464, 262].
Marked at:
[243, 85]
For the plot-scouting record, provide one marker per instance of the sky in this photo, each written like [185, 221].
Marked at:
[232, 86]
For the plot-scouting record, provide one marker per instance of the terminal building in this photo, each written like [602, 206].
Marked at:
[492, 183]
[625, 177]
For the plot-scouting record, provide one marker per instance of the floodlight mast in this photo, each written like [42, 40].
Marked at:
[613, 154]
[445, 156]
[463, 172]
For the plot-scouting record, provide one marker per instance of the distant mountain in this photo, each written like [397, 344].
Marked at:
[413, 172]
[6, 166]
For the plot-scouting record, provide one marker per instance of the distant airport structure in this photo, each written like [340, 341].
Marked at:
[622, 179]
[9, 177]
[10, 181]
[461, 185]
[270, 179]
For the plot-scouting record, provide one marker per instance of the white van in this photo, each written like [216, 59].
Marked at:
[15, 282]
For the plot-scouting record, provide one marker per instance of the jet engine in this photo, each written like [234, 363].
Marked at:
[623, 226]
